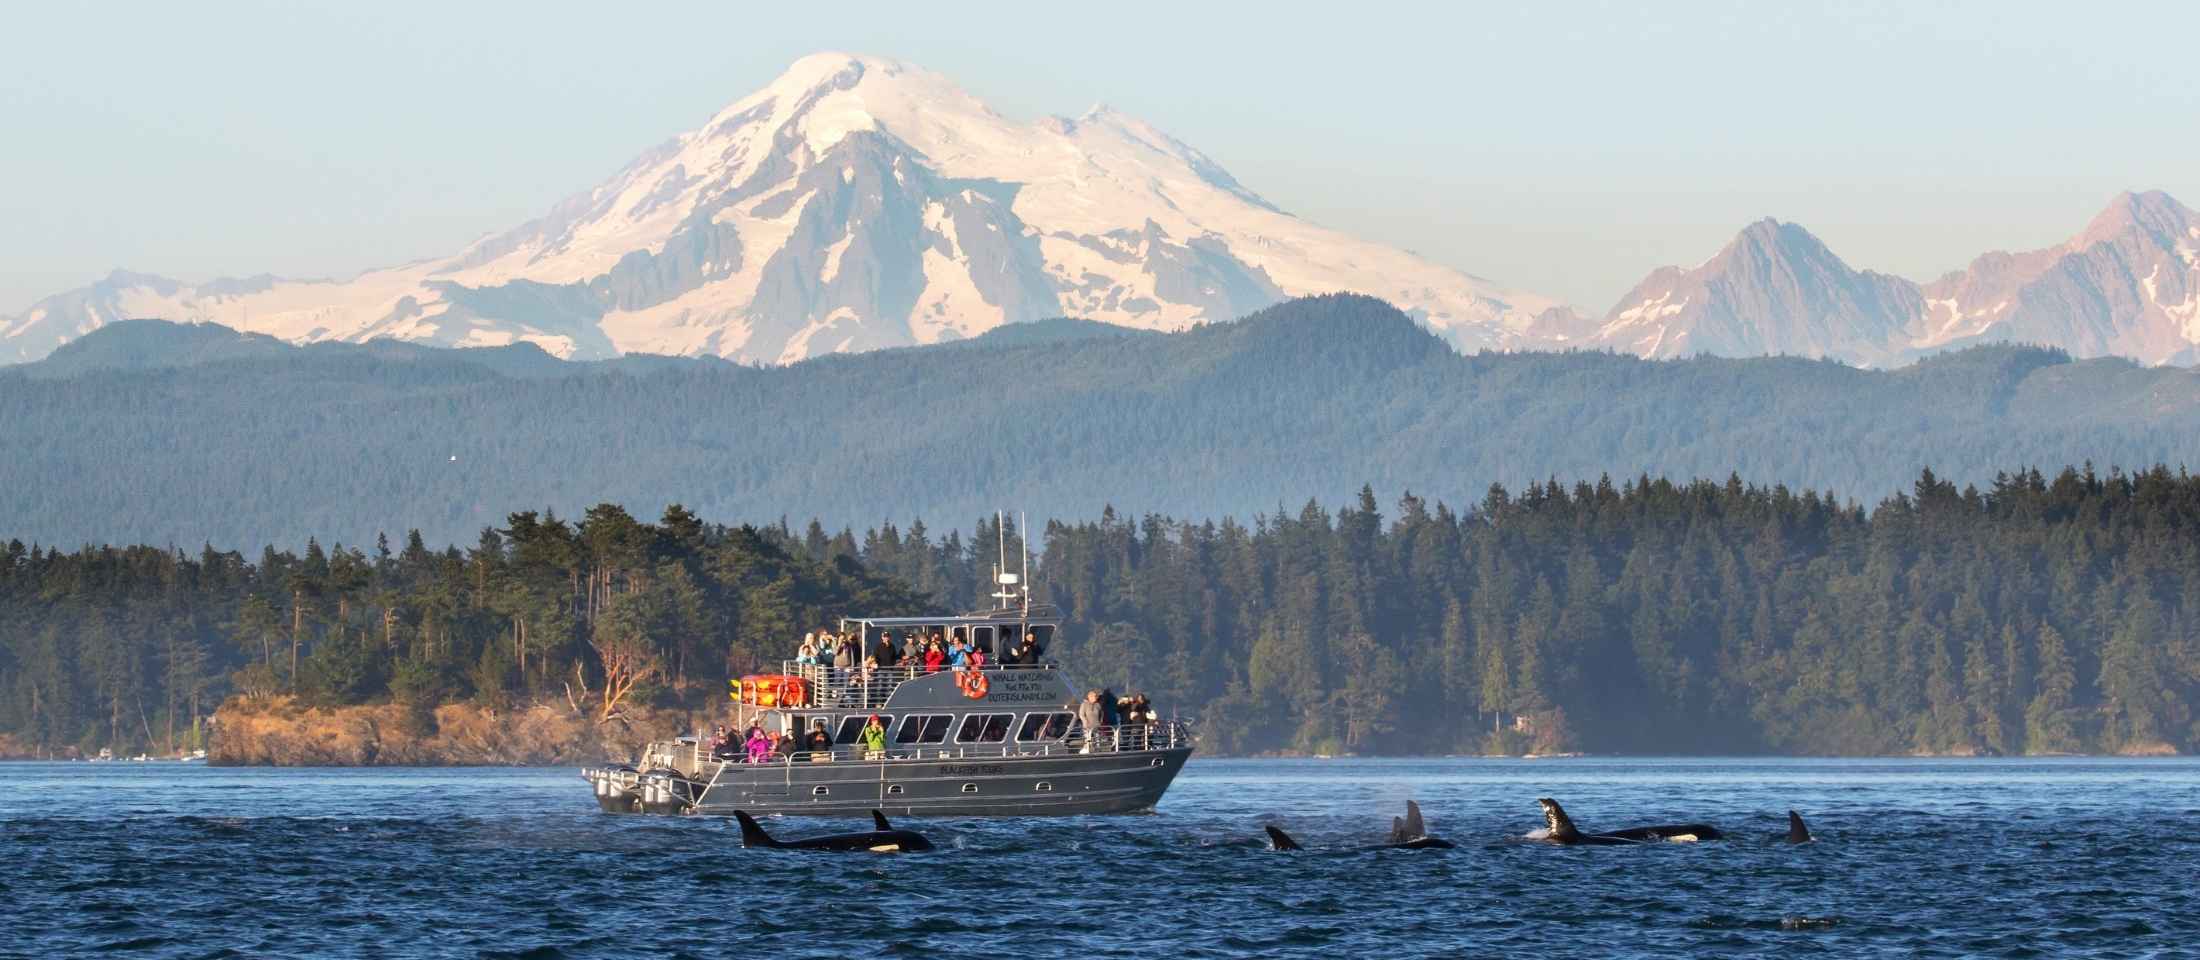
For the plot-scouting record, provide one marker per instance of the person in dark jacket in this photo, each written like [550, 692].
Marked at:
[818, 740]
[1109, 714]
[886, 654]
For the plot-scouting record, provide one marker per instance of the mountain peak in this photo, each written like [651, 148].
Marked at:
[1775, 241]
[1774, 289]
[828, 68]
[2151, 211]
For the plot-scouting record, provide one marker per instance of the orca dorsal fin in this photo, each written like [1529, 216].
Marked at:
[1279, 840]
[1413, 828]
[752, 833]
[879, 817]
[1398, 832]
[1798, 831]
[1554, 817]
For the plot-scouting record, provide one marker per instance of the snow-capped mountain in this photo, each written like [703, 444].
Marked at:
[852, 204]
[2127, 285]
[1775, 284]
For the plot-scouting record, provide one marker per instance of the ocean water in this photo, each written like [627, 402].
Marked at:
[1985, 858]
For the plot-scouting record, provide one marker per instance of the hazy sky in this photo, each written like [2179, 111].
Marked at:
[1560, 148]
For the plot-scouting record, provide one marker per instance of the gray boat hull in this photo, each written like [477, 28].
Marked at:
[1015, 786]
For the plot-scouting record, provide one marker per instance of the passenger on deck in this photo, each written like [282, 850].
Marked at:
[957, 654]
[885, 653]
[975, 661]
[843, 659]
[782, 745]
[912, 652]
[1090, 716]
[819, 741]
[1109, 714]
[873, 739]
[934, 658]
[1137, 715]
[759, 746]
[867, 680]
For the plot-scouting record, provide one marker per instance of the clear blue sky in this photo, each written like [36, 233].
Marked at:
[1564, 148]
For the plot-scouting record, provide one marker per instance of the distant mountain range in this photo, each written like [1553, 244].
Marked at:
[153, 432]
[2127, 285]
[857, 203]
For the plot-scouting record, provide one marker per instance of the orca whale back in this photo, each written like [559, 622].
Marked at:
[752, 833]
[1279, 840]
[1561, 826]
[1414, 826]
[1798, 831]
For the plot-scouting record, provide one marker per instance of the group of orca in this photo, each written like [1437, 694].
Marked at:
[1409, 832]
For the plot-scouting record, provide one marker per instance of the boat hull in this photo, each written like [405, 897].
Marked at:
[1063, 784]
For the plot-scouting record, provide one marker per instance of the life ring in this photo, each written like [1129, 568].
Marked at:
[974, 684]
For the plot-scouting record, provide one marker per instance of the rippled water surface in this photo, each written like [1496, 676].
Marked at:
[2009, 858]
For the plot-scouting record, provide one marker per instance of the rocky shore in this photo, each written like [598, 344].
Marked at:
[278, 731]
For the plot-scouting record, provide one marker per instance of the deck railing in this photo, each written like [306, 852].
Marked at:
[858, 688]
[1123, 738]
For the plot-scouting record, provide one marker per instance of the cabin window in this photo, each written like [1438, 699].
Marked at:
[984, 728]
[925, 729]
[1043, 726]
[1009, 636]
[851, 726]
[983, 638]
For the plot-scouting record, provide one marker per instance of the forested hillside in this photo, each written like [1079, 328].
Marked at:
[2037, 615]
[145, 433]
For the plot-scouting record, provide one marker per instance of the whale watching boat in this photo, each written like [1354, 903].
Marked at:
[999, 741]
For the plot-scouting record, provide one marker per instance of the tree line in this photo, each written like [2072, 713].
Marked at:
[2035, 615]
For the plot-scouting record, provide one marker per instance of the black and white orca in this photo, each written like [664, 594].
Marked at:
[885, 839]
[1560, 829]
[1406, 833]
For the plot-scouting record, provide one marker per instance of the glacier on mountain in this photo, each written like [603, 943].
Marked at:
[851, 204]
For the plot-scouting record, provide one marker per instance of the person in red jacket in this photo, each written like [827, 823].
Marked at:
[934, 658]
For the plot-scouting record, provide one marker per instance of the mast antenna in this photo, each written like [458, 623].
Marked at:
[1023, 541]
[1004, 582]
